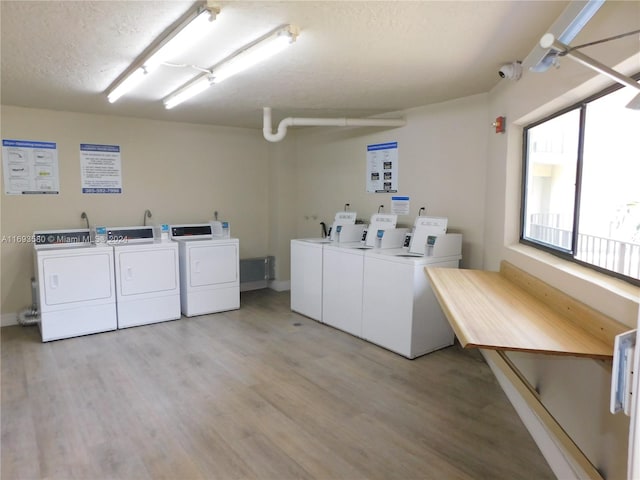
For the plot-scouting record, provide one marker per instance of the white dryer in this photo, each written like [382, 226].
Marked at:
[209, 270]
[147, 276]
[75, 284]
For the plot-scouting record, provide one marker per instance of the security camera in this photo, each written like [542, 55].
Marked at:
[512, 71]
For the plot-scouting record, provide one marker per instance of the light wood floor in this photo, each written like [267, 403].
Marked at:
[260, 392]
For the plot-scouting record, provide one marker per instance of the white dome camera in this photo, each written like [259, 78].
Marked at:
[511, 71]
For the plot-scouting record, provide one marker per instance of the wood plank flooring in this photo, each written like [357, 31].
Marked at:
[260, 392]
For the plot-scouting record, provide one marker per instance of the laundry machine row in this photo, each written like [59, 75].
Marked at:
[127, 278]
[379, 294]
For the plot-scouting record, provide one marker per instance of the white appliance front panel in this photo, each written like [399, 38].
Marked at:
[146, 271]
[388, 297]
[400, 311]
[306, 278]
[69, 278]
[342, 275]
[212, 264]
[76, 321]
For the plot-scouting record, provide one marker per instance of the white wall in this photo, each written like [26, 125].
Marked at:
[574, 390]
[181, 172]
[282, 203]
[436, 170]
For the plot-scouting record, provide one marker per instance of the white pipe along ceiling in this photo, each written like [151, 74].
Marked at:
[285, 123]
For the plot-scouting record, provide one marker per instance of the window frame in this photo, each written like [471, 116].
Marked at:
[557, 251]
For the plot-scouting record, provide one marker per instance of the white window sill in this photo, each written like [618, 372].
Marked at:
[611, 296]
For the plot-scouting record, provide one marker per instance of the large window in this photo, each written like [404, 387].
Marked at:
[581, 186]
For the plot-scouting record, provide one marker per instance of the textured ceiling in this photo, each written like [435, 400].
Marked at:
[351, 58]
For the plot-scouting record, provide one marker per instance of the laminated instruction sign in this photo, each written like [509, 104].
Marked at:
[400, 205]
[382, 168]
[30, 167]
[101, 168]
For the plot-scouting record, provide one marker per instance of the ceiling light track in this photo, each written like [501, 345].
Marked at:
[180, 36]
[548, 41]
[246, 57]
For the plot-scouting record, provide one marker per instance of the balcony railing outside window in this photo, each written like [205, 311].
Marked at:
[606, 253]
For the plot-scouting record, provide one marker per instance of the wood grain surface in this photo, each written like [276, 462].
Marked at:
[260, 392]
[511, 310]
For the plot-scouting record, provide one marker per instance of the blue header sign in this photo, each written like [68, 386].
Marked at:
[30, 167]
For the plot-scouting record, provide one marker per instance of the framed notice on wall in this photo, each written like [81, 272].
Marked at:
[101, 168]
[30, 167]
[382, 168]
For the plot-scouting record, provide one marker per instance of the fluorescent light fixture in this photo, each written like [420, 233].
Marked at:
[180, 37]
[183, 40]
[188, 90]
[260, 50]
[248, 56]
[130, 82]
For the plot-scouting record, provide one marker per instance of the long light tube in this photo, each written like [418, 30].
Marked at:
[255, 53]
[130, 82]
[190, 89]
[248, 56]
[181, 37]
[183, 40]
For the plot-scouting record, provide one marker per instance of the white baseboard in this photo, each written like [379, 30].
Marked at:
[7, 319]
[551, 451]
[247, 286]
[280, 285]
[277, 285]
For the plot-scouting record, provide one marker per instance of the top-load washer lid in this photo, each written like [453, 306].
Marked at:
[423, 227]
[45, 239]
[341, 218]
[200, 231]
[315, 240]
[121, 235]
[379, 221]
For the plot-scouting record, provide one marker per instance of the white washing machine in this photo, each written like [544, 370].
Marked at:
[75, 284]
[147, 276]
[400, 311]
[342, 270]
[306, 276]
[209, 270]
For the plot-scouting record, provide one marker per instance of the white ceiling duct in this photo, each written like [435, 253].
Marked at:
[321, 122]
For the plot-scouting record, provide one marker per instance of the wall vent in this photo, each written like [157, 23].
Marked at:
[256, 272]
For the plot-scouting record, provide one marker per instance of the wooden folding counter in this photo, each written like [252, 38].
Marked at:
[511, 310]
